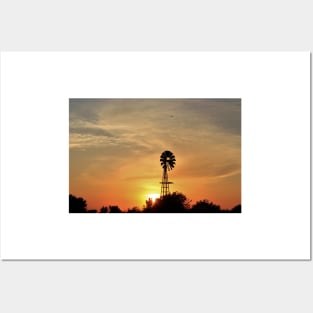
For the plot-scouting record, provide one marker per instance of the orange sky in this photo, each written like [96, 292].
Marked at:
[115, 147]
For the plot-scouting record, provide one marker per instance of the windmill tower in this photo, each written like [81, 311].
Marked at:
[167, 160]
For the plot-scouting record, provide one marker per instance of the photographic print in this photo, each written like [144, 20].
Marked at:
[155, 155]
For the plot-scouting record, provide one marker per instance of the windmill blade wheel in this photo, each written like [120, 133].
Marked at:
[167, 160]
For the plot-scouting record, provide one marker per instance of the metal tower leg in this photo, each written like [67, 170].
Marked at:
[165, 190]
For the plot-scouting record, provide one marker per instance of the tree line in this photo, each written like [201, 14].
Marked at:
[175, 202]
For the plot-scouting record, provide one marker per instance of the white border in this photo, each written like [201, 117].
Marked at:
[275, 93]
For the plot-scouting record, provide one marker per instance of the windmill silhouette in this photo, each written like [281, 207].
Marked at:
[167, 160]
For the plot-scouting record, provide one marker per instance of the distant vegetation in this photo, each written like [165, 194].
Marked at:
[77, 205]
[175, 202]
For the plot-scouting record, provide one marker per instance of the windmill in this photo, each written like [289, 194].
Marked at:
[167, 160]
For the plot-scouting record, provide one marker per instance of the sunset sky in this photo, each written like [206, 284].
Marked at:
[115, 148]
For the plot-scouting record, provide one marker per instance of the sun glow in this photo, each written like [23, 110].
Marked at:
[153, 196]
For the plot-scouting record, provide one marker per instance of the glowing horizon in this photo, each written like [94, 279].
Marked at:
[153, 196]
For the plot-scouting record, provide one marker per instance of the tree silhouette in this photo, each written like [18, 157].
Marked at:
[149, 204]
[77, 205]
[205, 206]
[175, 202]
[236, 209]
[114, 209]
[104, 209]
[134, 210]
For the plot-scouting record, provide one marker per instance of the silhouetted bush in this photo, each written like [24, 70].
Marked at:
[236, 209]
[114, 209]
[205, 206]
[77, 205]
[172, 203]
[134, 210]
[149, 204]
[104, 209]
